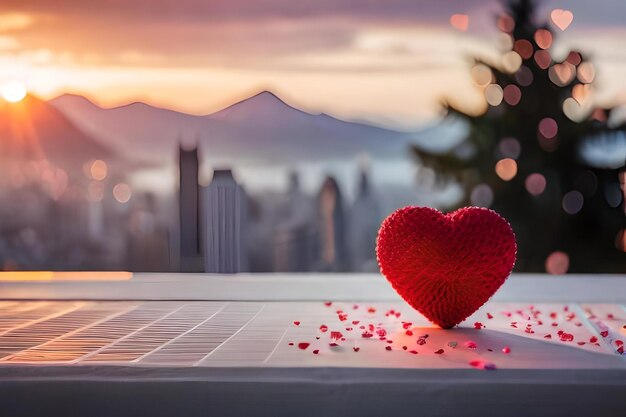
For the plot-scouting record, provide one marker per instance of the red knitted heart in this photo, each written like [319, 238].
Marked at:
[446, 266]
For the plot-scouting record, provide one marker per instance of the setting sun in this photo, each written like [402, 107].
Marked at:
[13, 91]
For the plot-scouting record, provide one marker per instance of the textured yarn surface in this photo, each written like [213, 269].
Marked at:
[446, 266]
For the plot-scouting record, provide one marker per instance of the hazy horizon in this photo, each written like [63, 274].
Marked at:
[388, 64]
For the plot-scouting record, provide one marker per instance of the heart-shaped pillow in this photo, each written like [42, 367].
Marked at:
[446, 266]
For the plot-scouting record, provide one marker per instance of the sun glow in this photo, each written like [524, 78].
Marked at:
[13, 91]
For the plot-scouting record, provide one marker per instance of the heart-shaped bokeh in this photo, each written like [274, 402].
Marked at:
[446, 266]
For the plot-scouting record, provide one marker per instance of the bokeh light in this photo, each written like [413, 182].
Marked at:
[524, 76]
[122, 192]
[511, 61]
[562, 74]
[494, 94]
[460, 22]
[481, 74]
[573, 110]
[13, 91]
[535, 183]
[509, 148]
[573, 202]
[524, 48]
[543, 38]
[543, 59]
[548, 128]
[482, 196]
[506, 169]
[574, 58]
[581, 93]
[98, 170]
[586, 72]
[613, 195]
[512, 94]
[506, 23]
[557, 263]
[95, 191]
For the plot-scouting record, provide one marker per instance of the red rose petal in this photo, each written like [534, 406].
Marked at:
[356, 348]
[439, 352]
[328, 303]
[413, 352]
[387, 347]
[316, 351]
[506, 349]
[303, 345]
[489, 316]
[335, 335]
[323, 328]
[297, 323]
[604, 333]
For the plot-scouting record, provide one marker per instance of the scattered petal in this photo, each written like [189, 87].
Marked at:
[413, 352]
[323, 328]
[316, 351]
[335, 335]
[387, 347]
[478, 325]
[470, 344]
[506, 349]
[303, 345]
[489, 316]
[439, 351]
[297, 323]
[604, 333]
[356, 348]
[328, 303]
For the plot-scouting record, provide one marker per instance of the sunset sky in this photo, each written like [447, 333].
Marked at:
[387, 61]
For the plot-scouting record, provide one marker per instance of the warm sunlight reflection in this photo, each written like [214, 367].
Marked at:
[65, 276]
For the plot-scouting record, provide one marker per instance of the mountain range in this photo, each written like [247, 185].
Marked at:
[261, 129]
[34, 130]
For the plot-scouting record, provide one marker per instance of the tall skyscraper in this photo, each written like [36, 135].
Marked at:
[364, 221]
[224, 224]
[190, 253]
[333, 255]
[294, 243]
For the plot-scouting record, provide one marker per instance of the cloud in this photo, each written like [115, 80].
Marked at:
[14, 21]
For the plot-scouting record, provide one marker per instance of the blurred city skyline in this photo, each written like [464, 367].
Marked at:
[389, 63]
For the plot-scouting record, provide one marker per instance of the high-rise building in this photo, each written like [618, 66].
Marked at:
[294, 236]
[333, 255]
[224, 224]
[190, 252]
[364, 221]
